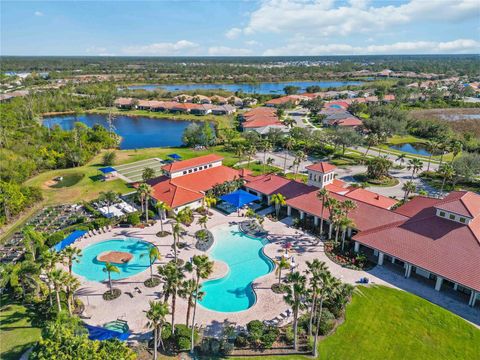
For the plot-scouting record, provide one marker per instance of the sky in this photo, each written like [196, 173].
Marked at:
[239, 27]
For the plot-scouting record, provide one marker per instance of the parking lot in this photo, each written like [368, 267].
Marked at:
[133, 172]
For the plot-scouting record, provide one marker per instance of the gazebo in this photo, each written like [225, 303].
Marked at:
[239, 198]
[175, 157]
[108, 172]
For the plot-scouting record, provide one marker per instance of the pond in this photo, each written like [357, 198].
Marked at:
[412, 148]
[260, 88]
[136, 132]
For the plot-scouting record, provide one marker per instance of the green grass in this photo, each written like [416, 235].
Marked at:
[258, 169]
[388, 182]
[16, 331]
[384, 323]
[224, 121]
[402, 139]
[68, 180]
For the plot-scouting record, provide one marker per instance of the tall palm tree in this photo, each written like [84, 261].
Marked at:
[329, 286]
[162, 209]
[408, 188]
[156, 316]
[401, 158]
[315, 269]
[202, 268]
[294, 298]
[144, 192]
[109, 268]
[270, 162]
[345, 223]
[415, 165]
[432, 147]
[72, 284]
[58, 278]
[177, 231]
[322, 194]
[250, 152]
[299, 157]
[153, 255]
[333, 208]
[109, 197]
[172, 276]
[187, 291]
[282, 264]
[49, 260]
[456, 146]
[278, 200]
[70, 255]
[202, 221]
[288, 146]
[446, 171]
[266, 146]
[148, 174]
[210, 201]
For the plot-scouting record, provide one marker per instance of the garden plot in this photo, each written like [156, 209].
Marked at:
[132, 172]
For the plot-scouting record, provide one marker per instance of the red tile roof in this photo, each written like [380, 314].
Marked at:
[351, 121]
[260, 117]
[462, 203]
[165, 190]
[436, 244]
[191, 163]
[322, 166]
[338, 187]
[371, 198]
[273, 184]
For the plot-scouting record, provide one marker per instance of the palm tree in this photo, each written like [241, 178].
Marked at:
[162, 209]
[153, 255]
[278, 200]
[288, 146]
[299, 157]
[444, 148]
[202, 221]
[202, 268]
[109, 197]
[456, 146]
[109, 268]
[177, 231]
[187, 291]
[72, 284]
[58, 277]
[294, 298]
[156, 316]
[172, 276]
[49, 260]
[210, 201]
[322, 194]
[70, 255]
[345, 223]
[270, 162]
[315, 269]
[371, 140]
[401, 158]
[432, 147]
[289, 122]
[148, 174]
[282, 264]
[250, 152]
[144, 191]
[446, 171]
[333, 208]
[266, 146]
[415, 165]
[408, 187]
[329, 285]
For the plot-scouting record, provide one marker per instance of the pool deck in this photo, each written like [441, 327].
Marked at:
[268, 305]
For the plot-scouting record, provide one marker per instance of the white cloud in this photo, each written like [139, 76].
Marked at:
[252, 43]
[233, 33]
[38, 13]
[458, 46]
[228, 51]
[181, 47]
[326, 18]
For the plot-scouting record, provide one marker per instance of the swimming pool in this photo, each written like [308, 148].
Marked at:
[246, 262]
[92, 269]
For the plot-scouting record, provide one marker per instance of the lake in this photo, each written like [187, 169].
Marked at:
[412, 148]
[136, 132]
[260, 88]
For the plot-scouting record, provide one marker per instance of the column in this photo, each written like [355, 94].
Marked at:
[393, 259]
[438, 283]
[316, 220]
[380, 258]
[289, 210]
[302, 215]
[473, 298]
[356, 247]
[349, 232]
[330, 229]
[408, 270]
[455, 286]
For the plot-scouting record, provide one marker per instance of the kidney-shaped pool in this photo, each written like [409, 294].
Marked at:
[246, 262]
[92, 269]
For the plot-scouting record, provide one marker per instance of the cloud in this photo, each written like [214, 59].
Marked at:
[181, 47]
[38, 13]
[228, 51]
[233, 33]
[459, 46]
[252, 43]
[327, 18]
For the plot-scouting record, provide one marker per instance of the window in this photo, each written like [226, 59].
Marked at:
[442, 213]
[452, 217]
[189, 171]
[195, 169]
[210, 165]
[184, 172]
[463, 220]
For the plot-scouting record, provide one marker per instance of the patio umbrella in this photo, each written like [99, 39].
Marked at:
[239, 198]
[174, 156]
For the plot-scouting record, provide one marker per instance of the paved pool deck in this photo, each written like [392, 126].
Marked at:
[268, 305]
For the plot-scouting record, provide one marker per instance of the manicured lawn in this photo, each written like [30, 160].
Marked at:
[402, 139]
[383, 323]
[16, 331]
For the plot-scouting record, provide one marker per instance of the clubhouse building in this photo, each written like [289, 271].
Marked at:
[436, 240]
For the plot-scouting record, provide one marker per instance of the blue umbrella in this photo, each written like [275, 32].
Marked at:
[239, 198]
[175, 156]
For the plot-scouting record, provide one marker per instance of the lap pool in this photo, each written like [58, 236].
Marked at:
[92, 269]
[246, 262]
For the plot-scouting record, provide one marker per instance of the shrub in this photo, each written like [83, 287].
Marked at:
[151, 215]
[182, 337]
[241, 340]
[269, 336]
[133, 219]
[166, 331]
[55, 238]
[255, 331]
[109, 158]
[289, 334]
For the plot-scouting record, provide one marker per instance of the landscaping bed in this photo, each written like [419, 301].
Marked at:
[348, 259]
[107, 296]
[152, 282]
[384, 182]
[204, 242]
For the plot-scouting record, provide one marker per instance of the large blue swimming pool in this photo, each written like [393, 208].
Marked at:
[92, 269]
[246, 262]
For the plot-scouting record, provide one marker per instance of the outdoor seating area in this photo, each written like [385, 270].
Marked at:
[118, 209]
[252, 228]
[283, 319]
